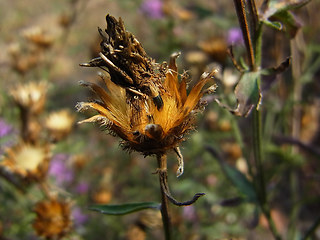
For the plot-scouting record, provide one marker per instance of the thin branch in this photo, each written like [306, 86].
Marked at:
[289, 140]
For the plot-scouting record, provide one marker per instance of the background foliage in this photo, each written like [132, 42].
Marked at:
[95, 170]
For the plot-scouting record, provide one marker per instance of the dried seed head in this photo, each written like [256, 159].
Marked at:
[38, 36]
[143, 103]
[59, 124]
[53, 219]
[30, 96]
[129, 66]
[25, 162]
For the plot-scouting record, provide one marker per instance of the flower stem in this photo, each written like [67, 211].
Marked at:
[257, 151]
[259, 178]
[162, 166]
[45, 189]
[252, 34]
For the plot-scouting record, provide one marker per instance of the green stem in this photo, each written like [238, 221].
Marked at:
[258, 46]
[252, 34]
[260, 180]
[257, 151]
[260, 184]
[162, 165]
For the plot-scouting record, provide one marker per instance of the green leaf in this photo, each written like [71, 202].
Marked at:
[291, 25]
[276, 6]
[277, 14]
[247, 93]
[238, 179]
[126, 208]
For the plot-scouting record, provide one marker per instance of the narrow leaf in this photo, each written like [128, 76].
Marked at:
[123, 209]
[238, 179]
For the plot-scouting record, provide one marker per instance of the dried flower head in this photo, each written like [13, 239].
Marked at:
[53, 219]
[26, 162]
[38, 36]
[59, 124]
[145, 104]
[151, 219]
[23, 59]
[216, 48]
[135, 232]
[30, 96]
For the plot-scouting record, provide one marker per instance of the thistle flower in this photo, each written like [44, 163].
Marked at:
[80, 218]
[153, 8]
[82, 187]
[5, 128]
[30, 96]
[59, 169]
[53, 219]
[25, 162]
[234, 36]
[145, 104]
[59, 124]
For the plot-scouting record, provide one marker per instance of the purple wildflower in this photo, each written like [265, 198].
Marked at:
[189, 213]
[60, 170]
[79, 217]
[5, 129]
[234, 36]
[152, 8]
[82, 188]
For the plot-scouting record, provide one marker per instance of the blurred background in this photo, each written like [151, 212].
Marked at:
[45, 41]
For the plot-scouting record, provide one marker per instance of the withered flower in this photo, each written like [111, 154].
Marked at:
[22, 59]
[59, 124]
[25, 162]
[31, 96]
[216, 48]
[145, 104]
[38, 36]
[53, 219]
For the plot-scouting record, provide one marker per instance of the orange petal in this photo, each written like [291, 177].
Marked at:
[195, 94]
[102, 94]
[183, 91]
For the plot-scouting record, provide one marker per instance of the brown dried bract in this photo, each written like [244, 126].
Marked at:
[53, 219]
[25, 163]
[124, 58]
[145, 104]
